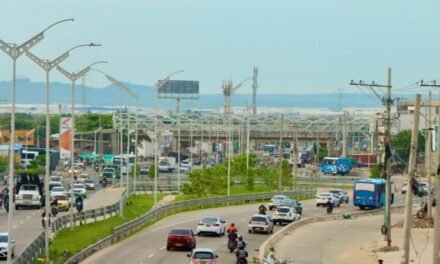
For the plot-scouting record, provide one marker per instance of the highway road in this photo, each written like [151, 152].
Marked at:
[148, 246]
[27, 222]
[333, 242]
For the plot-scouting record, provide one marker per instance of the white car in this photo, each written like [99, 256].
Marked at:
[4, 246]
[260, 223]
[285, 214]
[57, 190]
[276, 201]
[322, 199]
[79, 189]
[211, 224]
[185, 164]
[56, 179]
[341, 194]
[202, 255]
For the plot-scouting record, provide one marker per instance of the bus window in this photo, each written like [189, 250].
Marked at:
[360, 186]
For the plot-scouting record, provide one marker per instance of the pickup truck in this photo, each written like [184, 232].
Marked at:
[28, 196]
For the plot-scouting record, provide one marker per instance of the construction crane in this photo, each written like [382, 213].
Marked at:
[228, 90]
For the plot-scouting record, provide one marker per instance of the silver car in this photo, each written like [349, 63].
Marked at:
[4, 246]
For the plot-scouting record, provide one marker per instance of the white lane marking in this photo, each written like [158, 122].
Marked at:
[150, 256]
[14, 227]
[21, 221]
[33, 213]
[241, 220]
[224, 243]
[28, 217]
[162, 248]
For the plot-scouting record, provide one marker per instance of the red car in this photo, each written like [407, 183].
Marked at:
[181, 238]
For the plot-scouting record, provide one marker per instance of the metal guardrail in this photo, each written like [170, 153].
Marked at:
[129, 228]
[36, 247]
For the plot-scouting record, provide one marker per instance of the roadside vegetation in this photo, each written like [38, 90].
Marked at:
[70, 241]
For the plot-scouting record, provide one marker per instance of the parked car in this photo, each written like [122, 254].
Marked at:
[202, 255]
[211, 224]
[62, 201]
[90, 184]
[260, 223]
[4, 246]
[181, 238]
[185, 164]
[79, 189]
[285, 214]
[343, 195]
[185, 170]
[145, 169]
[322, 199]
[292, 203]
[276, 201]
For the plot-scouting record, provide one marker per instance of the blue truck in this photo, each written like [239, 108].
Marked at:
[334, 166]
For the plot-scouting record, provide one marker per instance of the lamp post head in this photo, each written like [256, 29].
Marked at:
[94, 44]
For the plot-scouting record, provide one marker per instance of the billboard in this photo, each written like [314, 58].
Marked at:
[65, 137]
[23, 137]
[179, 89]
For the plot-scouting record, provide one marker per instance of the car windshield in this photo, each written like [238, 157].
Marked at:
[55, 178]
[58, 189]
[334, 191]
[27, 187]
[181, 232]
[258, 219]
[202, 255]
[3, 238]
[278, 198]
[209, 219]
[325, 195]
[78, 186]
[283, 210]
[108, 170]
[88, 181]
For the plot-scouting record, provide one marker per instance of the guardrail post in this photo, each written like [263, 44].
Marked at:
[103, 212]
[94, 214]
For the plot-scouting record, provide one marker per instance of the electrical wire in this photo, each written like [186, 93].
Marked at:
[424, 247]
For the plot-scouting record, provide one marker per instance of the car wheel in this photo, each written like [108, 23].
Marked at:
[17, 207]
[348, 200]
[250, 231]
[317, 205]
[270, 208]
[199, 234]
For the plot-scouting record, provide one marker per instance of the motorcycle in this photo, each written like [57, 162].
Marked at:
[232, 245]
[79, 206]
[96, 168]
[242, 260]
[329, 209]
[54, 211]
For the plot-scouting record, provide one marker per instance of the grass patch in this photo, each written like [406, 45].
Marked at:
[68, 242]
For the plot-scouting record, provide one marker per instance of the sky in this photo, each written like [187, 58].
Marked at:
[313, 46]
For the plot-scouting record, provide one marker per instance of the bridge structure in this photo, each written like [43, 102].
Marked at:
[207, 128]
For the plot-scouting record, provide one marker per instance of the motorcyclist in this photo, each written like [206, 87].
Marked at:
[43, 218]
[262, 209]
[54, 207]
[6, 201]
[232, 228]
[242, 255]
[241, 242]
[79, 203]
[329, 206]
[232, 234]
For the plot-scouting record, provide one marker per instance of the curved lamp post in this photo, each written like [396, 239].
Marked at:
[47, 66]
[15, 51]
[73, 77]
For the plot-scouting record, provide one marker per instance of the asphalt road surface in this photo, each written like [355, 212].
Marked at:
[148, 246]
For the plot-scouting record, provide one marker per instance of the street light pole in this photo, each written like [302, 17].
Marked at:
[47, 67]
[15, 51]
[73, 77]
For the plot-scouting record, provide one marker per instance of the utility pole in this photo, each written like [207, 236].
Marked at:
[280, 176]
[411, 171]
[428, 155]
[295, 154]
[387, 101]
[254, 89]
[436, 249]
[344, 136]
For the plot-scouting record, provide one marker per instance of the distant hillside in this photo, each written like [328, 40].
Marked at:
[34, 93]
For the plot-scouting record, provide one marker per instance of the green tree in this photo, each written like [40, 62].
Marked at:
[151, 171]
[375, 171]
[3, 163]
[401, 144]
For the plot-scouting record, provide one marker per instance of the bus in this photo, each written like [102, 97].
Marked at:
[270, 149]
[117, 159]
[333, 165]
[371, 193]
